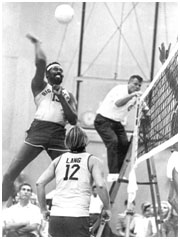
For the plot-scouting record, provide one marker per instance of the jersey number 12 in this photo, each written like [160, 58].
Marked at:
[70, 174]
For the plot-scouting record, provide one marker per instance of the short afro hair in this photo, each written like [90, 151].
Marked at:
[48, 67]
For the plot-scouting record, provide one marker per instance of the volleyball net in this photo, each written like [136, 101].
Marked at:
[158, 119]
[156, 124]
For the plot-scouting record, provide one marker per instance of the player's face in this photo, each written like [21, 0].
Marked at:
[147, 212]
[134, 85]
[165, 210]
[55, 76]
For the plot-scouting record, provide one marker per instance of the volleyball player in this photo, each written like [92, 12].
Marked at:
[75, 172]
[55, 107]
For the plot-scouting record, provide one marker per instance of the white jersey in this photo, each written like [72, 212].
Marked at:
[108, 108]
[48, 107]
[73, 186]
[173, 162]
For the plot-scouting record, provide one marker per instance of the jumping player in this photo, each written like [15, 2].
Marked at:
[75, 172]
[55, 107]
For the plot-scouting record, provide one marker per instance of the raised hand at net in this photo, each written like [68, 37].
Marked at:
[163, 52]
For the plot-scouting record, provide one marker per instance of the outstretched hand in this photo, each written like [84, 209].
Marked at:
[32, 38]
[163, 52]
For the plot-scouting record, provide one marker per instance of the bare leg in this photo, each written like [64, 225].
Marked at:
[54, 154]
[25, 155]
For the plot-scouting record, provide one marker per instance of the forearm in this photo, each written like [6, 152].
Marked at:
[41, 196]
[39, 53]
[30, 227]
[70, 113]
[104, 196]
[124, 100]
[14, 226]
[38, 83]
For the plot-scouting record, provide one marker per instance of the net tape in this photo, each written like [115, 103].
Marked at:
[158, 123]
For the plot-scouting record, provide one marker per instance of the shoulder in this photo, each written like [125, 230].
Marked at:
[72, 98]
[10, 209]
[118, 89]
[55, 162]
[173, 157]
[94, 161]
[43, 92]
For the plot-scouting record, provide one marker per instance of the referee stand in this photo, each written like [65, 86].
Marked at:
[131, 158]
[116, 185]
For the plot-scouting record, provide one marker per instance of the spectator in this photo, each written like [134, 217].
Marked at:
[110, 120]
[74, 172]
[121, 223]
[22, 219]
[95, 210]
[144, 224]
[170, 220]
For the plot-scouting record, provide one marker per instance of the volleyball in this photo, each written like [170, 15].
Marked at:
[64, 13]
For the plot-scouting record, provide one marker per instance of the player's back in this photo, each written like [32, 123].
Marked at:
[73, 185]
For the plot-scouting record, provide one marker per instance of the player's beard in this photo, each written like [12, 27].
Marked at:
[55, 80]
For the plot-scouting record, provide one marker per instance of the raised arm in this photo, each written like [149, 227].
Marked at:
[38, 83]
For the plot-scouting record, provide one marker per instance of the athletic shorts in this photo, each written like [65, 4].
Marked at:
[47, 135]
[69, 226]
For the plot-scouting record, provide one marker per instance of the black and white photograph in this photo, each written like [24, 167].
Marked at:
[89, 111]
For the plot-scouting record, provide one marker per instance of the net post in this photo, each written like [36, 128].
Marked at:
[150, 163]
[132, 195]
